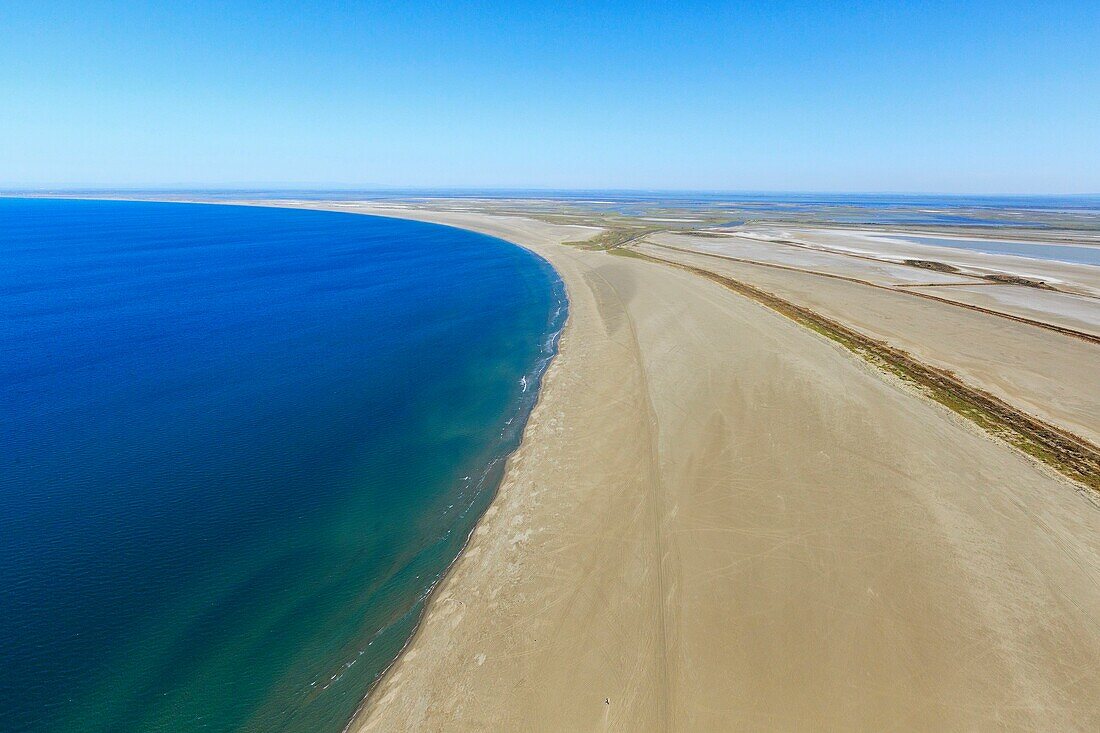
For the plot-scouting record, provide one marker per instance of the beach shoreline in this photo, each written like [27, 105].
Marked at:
[718, 518]
[430, 597]
[637, 679]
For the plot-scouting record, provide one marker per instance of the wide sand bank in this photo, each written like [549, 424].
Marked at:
[1051, 375]
[721, 520]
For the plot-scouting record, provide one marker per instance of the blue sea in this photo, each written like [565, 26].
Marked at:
[237, 448]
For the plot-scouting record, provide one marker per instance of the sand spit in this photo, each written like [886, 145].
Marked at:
[719, 519]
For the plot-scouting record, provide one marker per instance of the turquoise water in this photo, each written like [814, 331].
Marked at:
[1033, 250]
[237, 448]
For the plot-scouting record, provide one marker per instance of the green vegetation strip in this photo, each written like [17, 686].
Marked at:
[1069, 454]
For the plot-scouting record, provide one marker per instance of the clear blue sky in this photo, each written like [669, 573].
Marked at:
[993, 97]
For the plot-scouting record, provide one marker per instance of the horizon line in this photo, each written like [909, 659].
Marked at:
[466, 189]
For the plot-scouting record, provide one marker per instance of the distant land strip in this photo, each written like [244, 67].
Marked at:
[1069, 454]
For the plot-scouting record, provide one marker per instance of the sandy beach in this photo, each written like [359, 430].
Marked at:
[722, 519]
[719, 519]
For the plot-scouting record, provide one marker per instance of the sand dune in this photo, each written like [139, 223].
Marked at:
[721, 520]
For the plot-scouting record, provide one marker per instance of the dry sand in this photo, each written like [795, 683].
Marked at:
[719, 520]
[1048, 374]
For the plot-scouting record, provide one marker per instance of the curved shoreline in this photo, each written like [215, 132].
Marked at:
[719, 518]
[538, 376]
[433, 596]
[594, 592]
[552, 235]
[544, 374]
[494, 473]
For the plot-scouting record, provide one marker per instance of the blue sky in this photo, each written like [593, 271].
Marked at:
[993, 97]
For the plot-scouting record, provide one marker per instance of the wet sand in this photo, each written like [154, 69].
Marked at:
[721, 520]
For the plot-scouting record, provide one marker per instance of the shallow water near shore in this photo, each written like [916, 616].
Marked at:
[238, 446]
